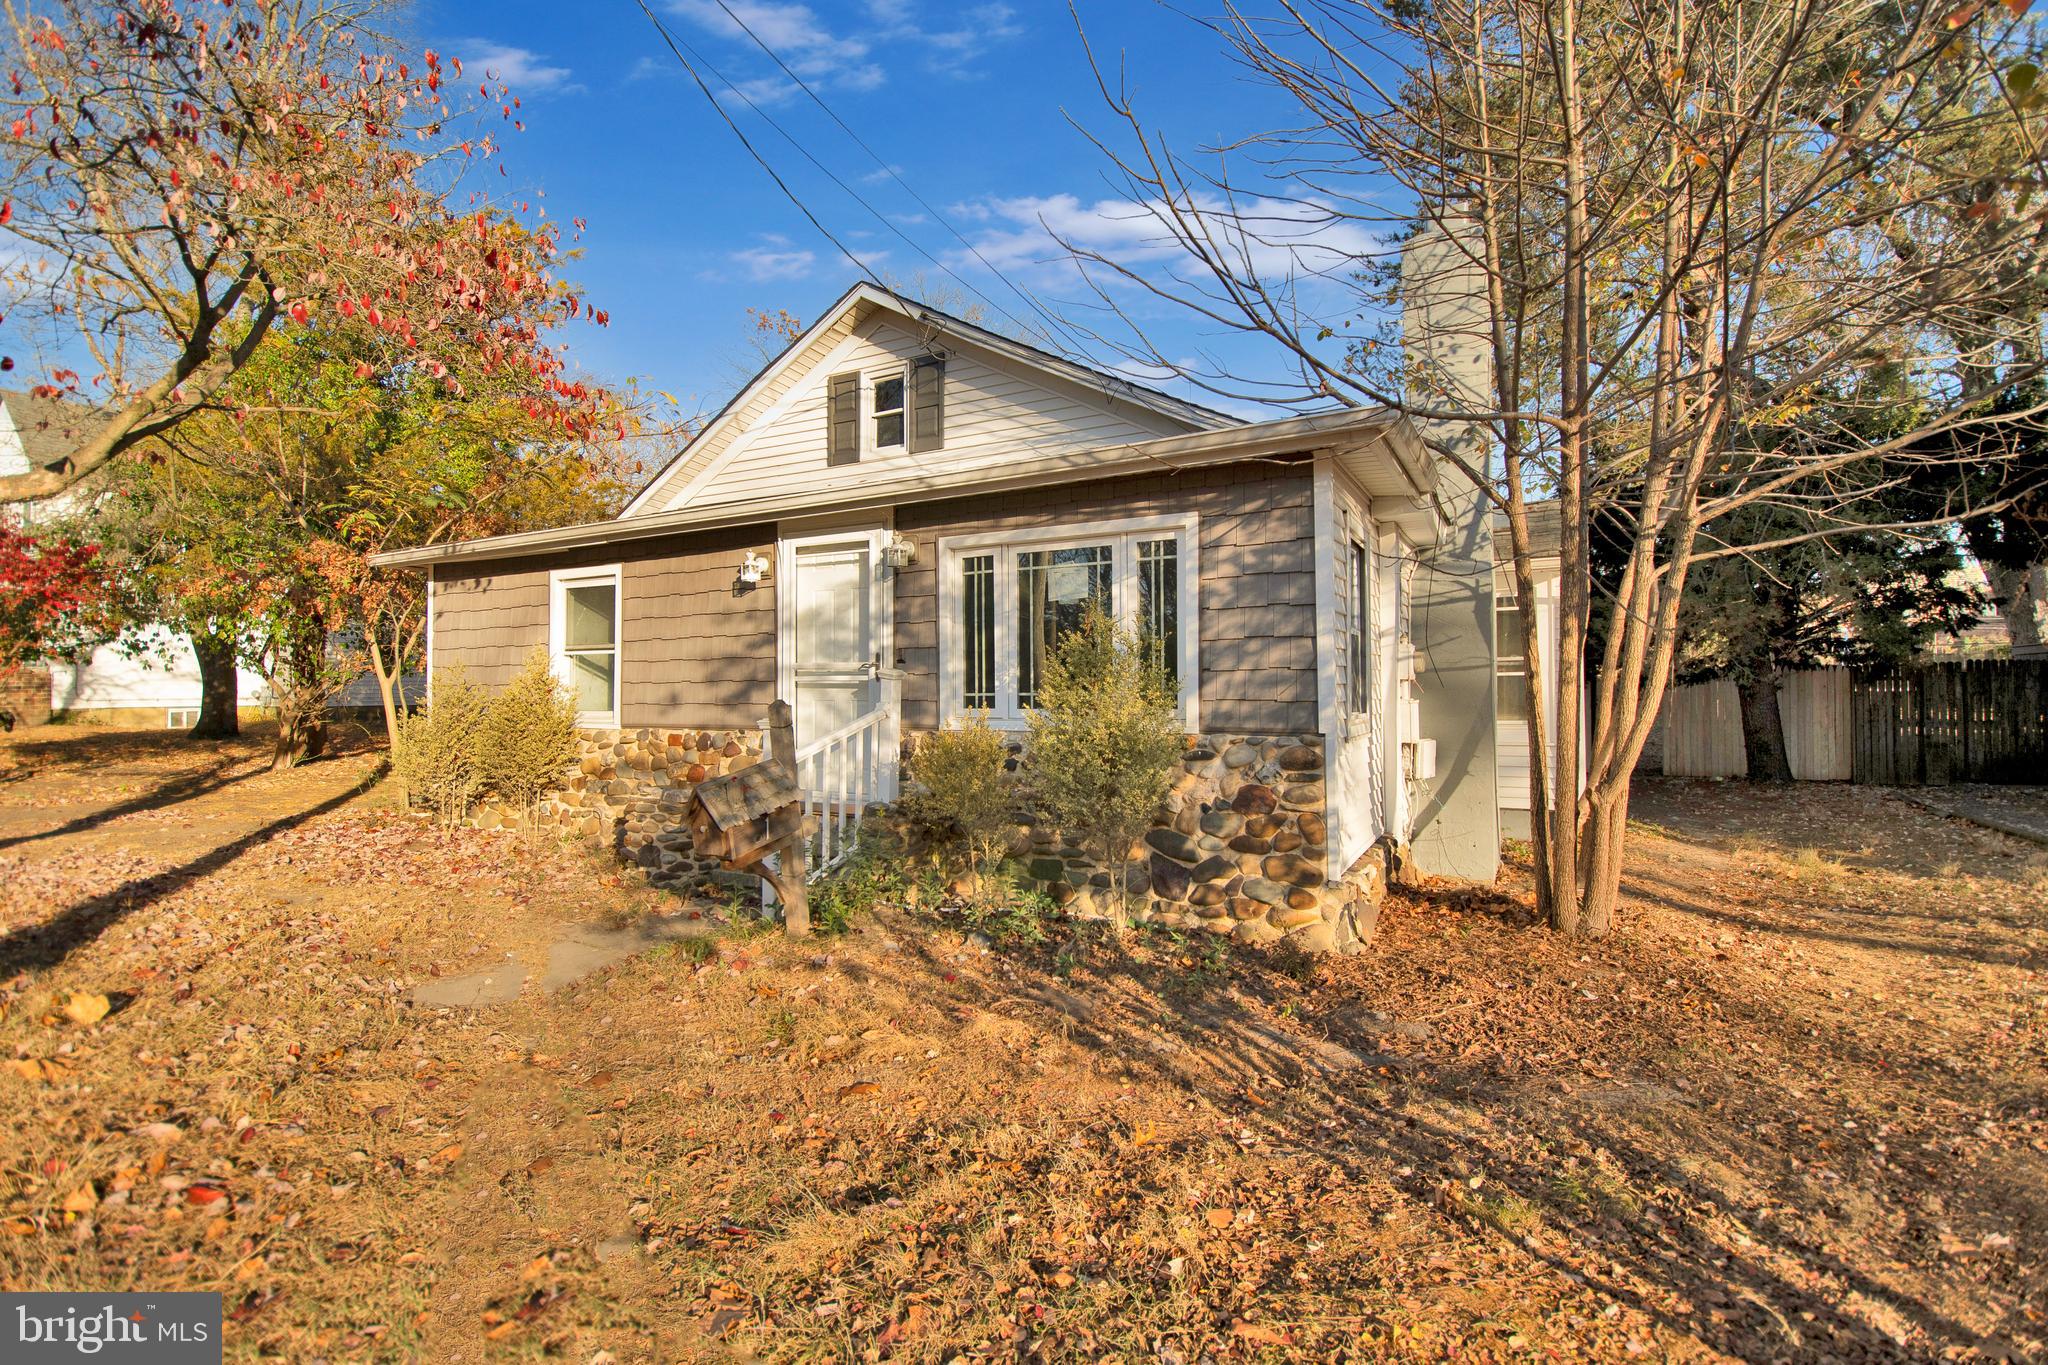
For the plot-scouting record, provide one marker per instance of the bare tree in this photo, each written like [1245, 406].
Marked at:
[1673, 226]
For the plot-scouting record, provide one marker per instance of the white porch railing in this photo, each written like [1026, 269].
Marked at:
[841, 775]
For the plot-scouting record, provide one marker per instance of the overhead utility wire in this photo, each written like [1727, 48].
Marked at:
[752, 151]
[823, 169]
[1030, 300]
[762, 161]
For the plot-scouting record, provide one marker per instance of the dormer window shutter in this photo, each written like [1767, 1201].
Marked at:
[842, 419]
[927, 404]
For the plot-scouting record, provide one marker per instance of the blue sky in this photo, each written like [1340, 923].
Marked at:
[965, 101]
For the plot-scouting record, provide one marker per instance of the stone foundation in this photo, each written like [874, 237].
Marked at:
[629, 792]
[1240, 851]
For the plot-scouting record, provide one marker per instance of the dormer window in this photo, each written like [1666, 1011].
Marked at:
[905, 410]
[888, 411]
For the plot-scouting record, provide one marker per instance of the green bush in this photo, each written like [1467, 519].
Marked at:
[436, 750]
[1105, 739]
[963, 798]
[527, 743]
[1006, 905]
[872, 875]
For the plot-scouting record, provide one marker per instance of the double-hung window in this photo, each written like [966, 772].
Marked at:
[887, 411]
[584, 631]
[1009, 599]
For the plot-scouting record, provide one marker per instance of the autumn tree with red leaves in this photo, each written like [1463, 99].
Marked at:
[52, 596]
[183, 178]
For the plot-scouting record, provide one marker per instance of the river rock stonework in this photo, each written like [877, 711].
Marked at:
[629, 790]
[1240, 849]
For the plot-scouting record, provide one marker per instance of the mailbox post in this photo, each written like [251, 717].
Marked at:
[746, 818]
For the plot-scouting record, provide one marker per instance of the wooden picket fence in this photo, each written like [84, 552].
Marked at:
[1970, 720]
[1967, 720]
[1703, 728]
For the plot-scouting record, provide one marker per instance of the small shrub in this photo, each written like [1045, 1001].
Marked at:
[435, 756]
[1007, 907]
[1105, 739]
[871, 876]
[527, 742]
[963, 797]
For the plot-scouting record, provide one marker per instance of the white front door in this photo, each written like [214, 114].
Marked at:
[836, 644]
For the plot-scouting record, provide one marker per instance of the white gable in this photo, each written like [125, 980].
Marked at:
[998, 409]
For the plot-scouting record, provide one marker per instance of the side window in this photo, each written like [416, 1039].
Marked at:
[1511, 690]
[1359, 629]
[585, 621]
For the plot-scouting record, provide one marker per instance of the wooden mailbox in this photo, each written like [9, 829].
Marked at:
[745, 818]
[739, 817]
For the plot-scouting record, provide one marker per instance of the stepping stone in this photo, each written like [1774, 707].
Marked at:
[591, 948]
[473, 990]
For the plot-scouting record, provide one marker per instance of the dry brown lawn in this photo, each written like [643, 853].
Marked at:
[1795, 1109]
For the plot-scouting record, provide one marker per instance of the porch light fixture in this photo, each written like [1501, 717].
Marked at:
[753, 567]
[900, 552]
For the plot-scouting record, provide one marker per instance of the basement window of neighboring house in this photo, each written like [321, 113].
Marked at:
[1511, 691]
[584, 625]
[1007, 600]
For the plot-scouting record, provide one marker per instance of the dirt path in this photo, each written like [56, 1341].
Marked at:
[1796, 1109]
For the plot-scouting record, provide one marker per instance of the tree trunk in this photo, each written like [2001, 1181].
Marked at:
[299, 737]
[2021, 601]
[389, 692]
[1763, 729]
[220, 701]
[1600, 858]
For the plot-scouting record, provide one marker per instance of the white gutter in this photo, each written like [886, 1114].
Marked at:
[1351, 427]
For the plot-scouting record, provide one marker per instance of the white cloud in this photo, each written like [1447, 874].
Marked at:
[1275, 237]
[775, 258]
[955, 50]
[526, 71]
[932, 36]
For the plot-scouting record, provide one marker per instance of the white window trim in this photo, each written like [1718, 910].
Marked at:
[559, 580]
[430, 640]
[869, 446]
[1124, 534]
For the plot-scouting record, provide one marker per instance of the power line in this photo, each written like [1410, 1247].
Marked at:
[752, 151]
[678, 49]
[1030, 300]
[810, 156]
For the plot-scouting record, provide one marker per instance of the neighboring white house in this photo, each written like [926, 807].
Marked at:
[149, 676]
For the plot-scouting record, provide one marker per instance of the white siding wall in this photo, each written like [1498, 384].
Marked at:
[162, 672]
[1357, 789]
[994, 412]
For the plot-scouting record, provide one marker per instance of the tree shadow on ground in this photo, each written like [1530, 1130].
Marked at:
[216, 775]
[46, 943]
[1327, 1076]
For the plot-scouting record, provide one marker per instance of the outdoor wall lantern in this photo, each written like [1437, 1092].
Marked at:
[900, 552]
[753, 567]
